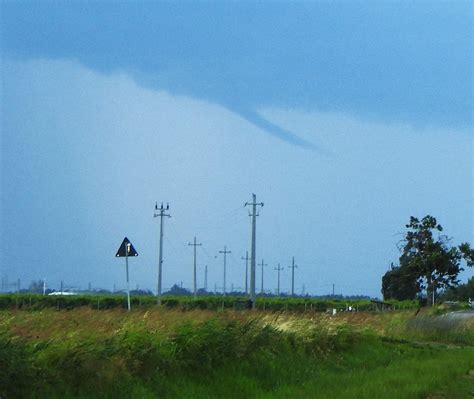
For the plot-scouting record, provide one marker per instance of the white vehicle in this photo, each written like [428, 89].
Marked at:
[62, 293]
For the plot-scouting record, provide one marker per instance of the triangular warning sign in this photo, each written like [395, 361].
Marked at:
[126, 246]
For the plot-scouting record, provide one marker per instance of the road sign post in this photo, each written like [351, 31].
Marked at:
[126, 249]
[128, 281]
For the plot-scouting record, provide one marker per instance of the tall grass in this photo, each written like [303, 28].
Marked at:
[63, 350]
[441, 329]
[203, 354]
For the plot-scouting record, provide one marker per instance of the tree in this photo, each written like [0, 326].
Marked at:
[467, 253]
[178, 290]
[427, 262]
[36, 286]
[398, 284]
[460, 293]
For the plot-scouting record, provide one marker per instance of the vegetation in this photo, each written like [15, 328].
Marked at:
[461, 292]
[88, 346]
[103, 302]
[427, 263]
[169, 353]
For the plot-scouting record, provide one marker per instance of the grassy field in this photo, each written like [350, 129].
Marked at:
[173, 353]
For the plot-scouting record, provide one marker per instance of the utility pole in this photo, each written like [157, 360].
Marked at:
[333, 289]
[194, 245]
[44, 286]
[279, 269]
[18, 286]
[292, 267]
[205, 278]
[161, 214]
[254, 215]
[262, 264]
[246, 271]
[225, 252]
[62, 287]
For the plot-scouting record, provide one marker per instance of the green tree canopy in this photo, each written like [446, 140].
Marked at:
[397, 284]
[462, 292]
[428, 262]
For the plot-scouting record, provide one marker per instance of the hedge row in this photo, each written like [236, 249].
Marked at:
[37, 302]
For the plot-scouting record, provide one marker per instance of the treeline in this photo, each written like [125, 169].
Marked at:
[36, 287]
[102, 302]
[462, 292]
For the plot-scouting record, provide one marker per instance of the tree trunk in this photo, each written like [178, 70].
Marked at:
[429, 291]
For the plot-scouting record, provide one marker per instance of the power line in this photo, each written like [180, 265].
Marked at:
[220, 222]
[210, 257]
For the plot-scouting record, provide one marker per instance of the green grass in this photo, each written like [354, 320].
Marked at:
[163, 353]
[392, 371]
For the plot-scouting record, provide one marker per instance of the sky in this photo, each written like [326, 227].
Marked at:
[345, 118]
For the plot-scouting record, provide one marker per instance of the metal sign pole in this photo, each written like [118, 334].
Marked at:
[127, 250]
